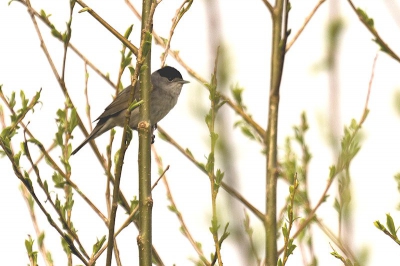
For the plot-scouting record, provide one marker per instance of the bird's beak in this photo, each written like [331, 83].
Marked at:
[183, 81]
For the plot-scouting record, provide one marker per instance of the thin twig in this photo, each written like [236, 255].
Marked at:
[28, 185]
[42, 247]
[311, 215]
[54, 165]
[225, 186]
[103, 162]
[308, 18]
[162, 174]
[367, 23]
[260, 131]
[342, 246]
[178, 15]
[126, 42]
[140, 60]
[85, 92]
[269, 6]
[176, 56]
[57, 76]
[64, 220]
[185, 229]
[47, 22]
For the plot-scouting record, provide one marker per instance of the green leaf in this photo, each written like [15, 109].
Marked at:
[225, 234]
[337, 206]
[291, 247]
[46, 186]
[332, 172]
[210, 163]
[390, 225]
[56, 33]
[379, 225]
[165, 41]
[17, 157]
[131, 70]
[41, 239]
[85, 9]
[73, 120]
[219, 176]
[65, 246]
[135, 104]
[134, 203]
[44, 15]
[365, 18]
[247, 132]
[285, 231]
[126, 61]
[128, 32]
[99, 243]
[237, 96]
[214, 136]
[208, 120]
[172, 209]
[147, 43]
[12, 101]
[29, 244]
[58, 180]
[214, 226]
[24, 100]
[191, 155]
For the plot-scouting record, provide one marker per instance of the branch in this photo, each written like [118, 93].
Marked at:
[308, 18]
[231, 191]
[335, 170]
[269, 6]
[28, 184]
[175, 54]
[369, 24]
[174, 209]
[126, 42]
[179, 14]
[279, 38]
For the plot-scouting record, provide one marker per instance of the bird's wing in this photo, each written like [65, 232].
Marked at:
[119, 104]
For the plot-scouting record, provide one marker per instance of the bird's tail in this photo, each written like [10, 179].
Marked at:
[97, 131]
[80, 146]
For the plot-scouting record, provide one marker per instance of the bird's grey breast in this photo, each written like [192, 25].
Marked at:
[162, 101]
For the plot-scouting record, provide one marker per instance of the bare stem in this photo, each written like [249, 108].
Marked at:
[120, 37]
[370, 26]
[308, 18]
[185, 229]
[185, 6]
[279, 38]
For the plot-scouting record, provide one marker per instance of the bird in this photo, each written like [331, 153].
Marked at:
[166, 86]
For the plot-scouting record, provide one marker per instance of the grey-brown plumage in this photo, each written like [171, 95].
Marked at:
[166, 83]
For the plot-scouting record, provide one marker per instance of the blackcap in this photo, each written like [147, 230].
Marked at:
[166, 83]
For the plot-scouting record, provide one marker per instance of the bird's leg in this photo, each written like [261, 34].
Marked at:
[154, 127]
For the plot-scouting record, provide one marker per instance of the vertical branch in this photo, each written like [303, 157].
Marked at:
[215, 177]
[279, 37]
[145, 131]
[142, 67]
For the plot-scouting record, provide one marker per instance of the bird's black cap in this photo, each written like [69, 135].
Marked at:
[170, 73]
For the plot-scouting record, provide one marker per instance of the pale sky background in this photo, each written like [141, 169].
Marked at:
[246, 28]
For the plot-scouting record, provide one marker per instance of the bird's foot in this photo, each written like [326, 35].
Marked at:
[154, 127]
